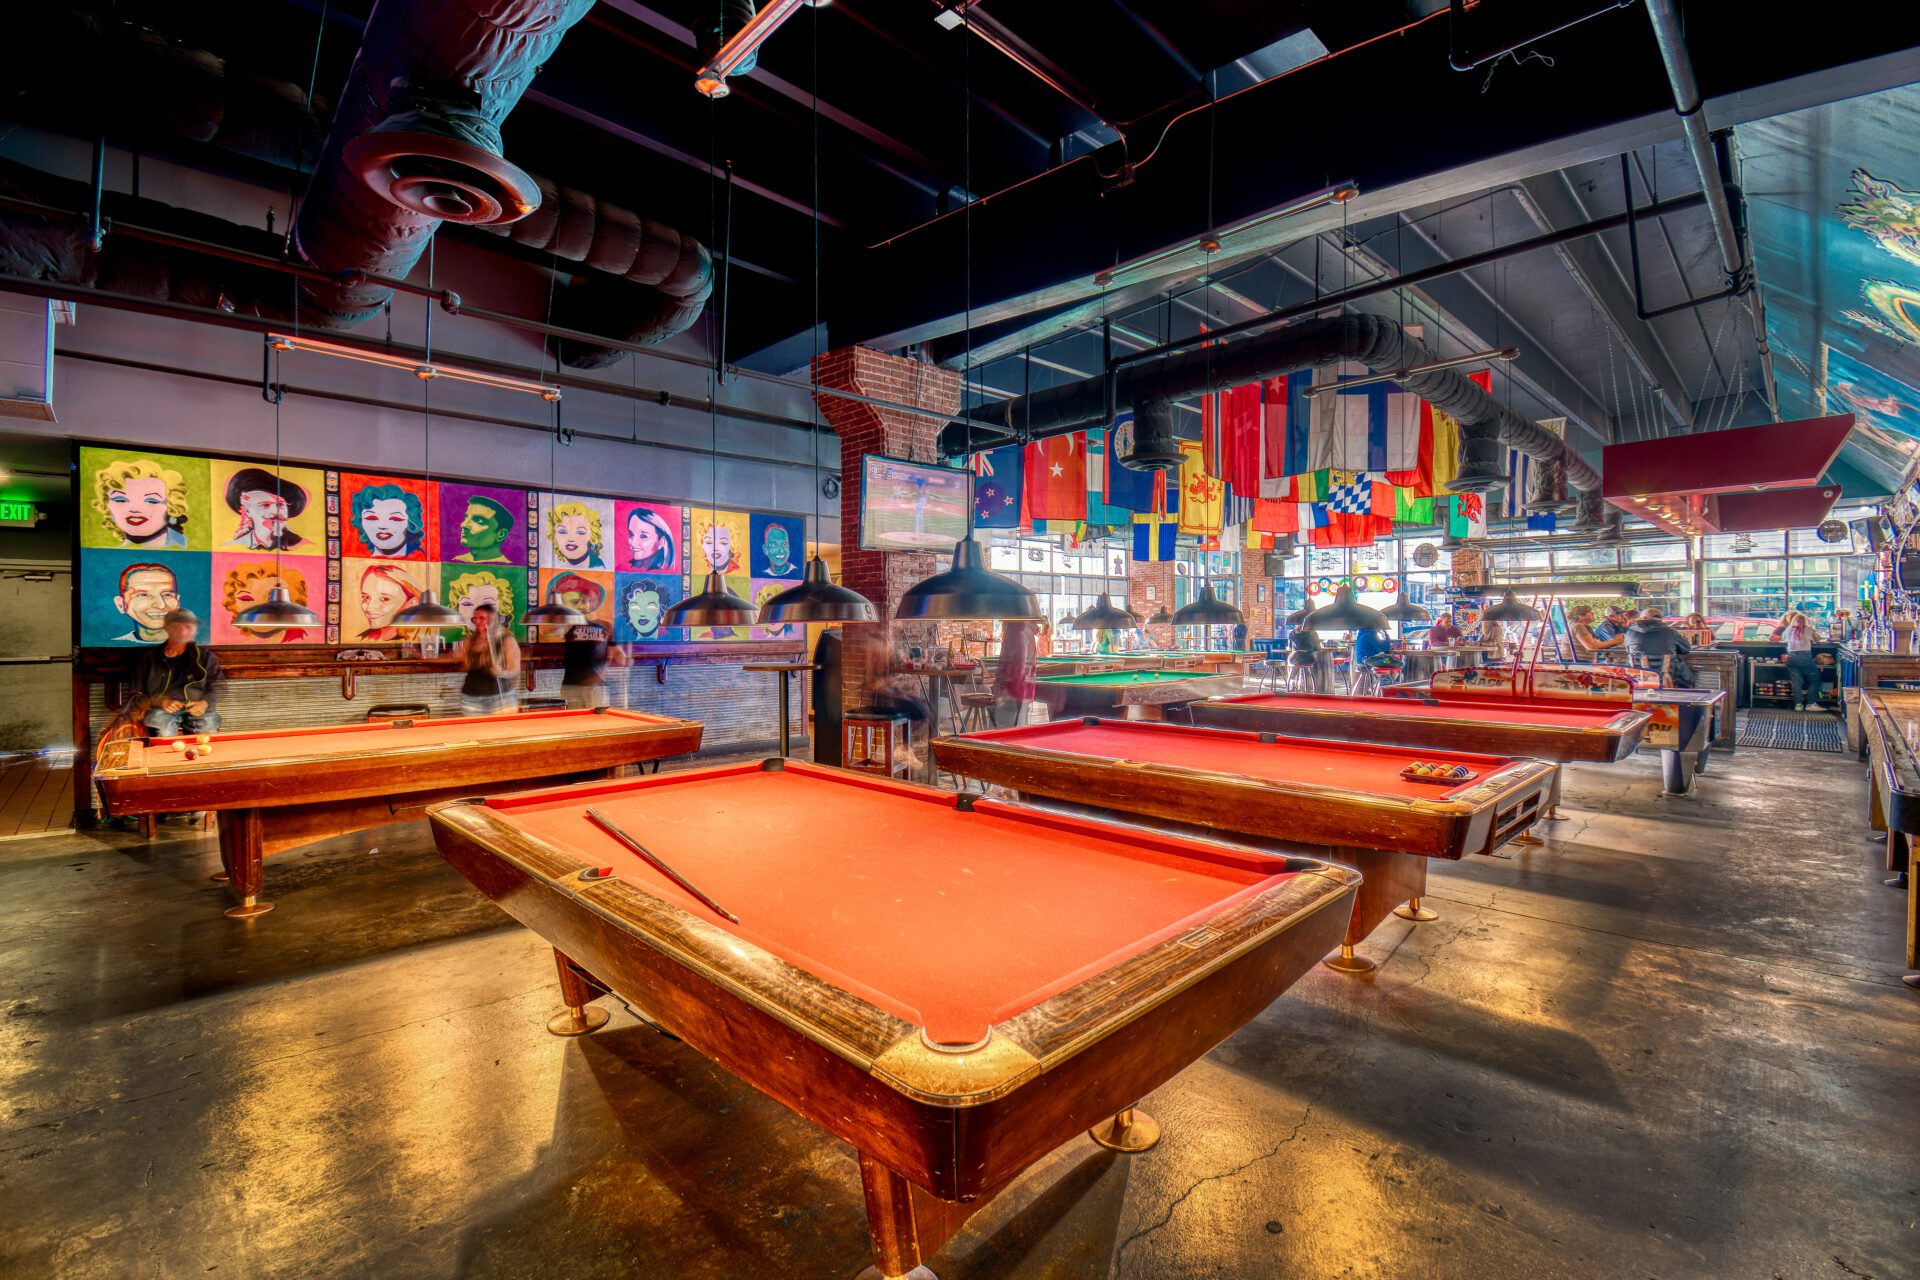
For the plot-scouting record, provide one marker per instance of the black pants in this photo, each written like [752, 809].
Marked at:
[1805, 674]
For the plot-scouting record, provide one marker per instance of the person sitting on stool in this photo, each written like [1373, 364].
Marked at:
[180, 679]
[1303, 656]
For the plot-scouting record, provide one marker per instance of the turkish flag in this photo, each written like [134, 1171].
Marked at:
[1056, 479]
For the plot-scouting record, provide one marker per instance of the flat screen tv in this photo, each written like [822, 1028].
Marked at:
[913, 506]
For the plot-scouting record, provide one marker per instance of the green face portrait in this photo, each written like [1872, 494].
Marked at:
[482, 532]
[779, 554]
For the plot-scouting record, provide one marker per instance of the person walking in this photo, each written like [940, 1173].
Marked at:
[491, 657]
[1798, 635]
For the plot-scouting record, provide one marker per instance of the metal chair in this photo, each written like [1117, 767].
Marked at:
[1302, 672]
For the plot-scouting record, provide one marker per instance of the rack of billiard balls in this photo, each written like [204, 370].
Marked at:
[202, 745]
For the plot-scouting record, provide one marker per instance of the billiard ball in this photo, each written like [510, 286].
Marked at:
[179, 744]
[203, 739]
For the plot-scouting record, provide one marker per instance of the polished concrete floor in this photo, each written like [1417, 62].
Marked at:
[1669, 1043]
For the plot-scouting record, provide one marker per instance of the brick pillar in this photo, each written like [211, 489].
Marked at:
[1157, 574]
[1469, 568]
[1253, 577]
[881, 576]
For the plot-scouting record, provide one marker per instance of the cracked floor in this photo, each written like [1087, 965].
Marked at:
[1668, 1043]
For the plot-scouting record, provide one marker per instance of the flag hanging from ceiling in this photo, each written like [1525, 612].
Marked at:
[1523, 472]
[1270, 515]
[1359, 508]
[1154, 537]
[1286, 423]
[1202, 496]
[1437, 448]
[1055, 482]
[1467, 515]
[996, 488]
[1241, 413]
[1099, 510]
[1373, 428]
[1411, 508]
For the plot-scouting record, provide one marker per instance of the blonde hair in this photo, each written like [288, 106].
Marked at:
[561, 510]
[485, 578]
[113, 477]
[241, 574]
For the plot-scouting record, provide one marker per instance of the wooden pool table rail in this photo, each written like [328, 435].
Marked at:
[938, 1131]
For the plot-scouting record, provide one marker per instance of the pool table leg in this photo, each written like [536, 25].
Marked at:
[906, 1223]
[1676, 772]
[242, 847]
[1390, 879]
[578, 994]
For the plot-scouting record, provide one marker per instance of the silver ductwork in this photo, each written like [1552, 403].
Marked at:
[1486, 425]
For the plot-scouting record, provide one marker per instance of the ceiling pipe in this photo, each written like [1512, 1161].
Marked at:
[1409, 279]
[1713, 181]
[415, 140]
[1371, 340]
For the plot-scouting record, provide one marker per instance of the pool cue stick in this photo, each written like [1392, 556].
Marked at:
[606, 824]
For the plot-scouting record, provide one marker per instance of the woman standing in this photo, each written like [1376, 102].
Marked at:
[491, 657]
[584, 658]
[1798, 635]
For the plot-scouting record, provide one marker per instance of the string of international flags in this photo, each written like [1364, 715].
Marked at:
[1338, 468]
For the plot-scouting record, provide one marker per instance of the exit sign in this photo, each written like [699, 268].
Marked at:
[16, 514]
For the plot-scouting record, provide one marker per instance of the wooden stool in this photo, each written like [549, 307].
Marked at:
[874, 742]
[976, 712]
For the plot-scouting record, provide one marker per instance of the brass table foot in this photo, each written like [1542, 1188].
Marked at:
[578, 1022]
[249, 907]
[1347, 962]
[1412, 910]
[1132, 1130]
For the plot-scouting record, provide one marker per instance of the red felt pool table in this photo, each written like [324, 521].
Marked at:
[1560, 732]
[279, 788]
[904, 970]
[1346, 801]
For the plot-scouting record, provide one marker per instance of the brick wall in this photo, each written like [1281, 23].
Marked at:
[881, 576]
[1157, 574]
[1259, 611]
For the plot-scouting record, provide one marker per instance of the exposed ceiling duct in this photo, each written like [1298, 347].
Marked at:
[1379, 343]
[657, 280]
[416, 139]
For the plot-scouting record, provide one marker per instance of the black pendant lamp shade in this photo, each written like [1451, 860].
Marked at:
[1160, 618]
[1299, 615]
[554, 614]
[1404, 610]
[969, 590]
[1346, 614]
[427, 614]
[715, 606]
[1106, 616]
[817, 599]
[276, 613]
[1208, 611]
[1511, 609]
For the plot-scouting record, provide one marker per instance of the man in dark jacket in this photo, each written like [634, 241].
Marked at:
[1650, 639]
[180, 679]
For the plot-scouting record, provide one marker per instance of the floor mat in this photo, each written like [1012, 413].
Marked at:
[1792, 730]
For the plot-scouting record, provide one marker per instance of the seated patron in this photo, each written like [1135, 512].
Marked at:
[1588, 644]
[1443, 632]
[180, 679]
[1654, 644]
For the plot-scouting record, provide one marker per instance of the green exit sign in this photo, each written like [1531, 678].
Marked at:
[16, 513]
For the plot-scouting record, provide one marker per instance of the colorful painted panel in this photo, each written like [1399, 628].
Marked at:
[484, 524]
[242, 579]
[640, 599]
[261, 508]
[651, 538]
[575, 532]
[720, 540]
[372, 591]
[776, 546]
[388, 518]
[141, 501]
[125, 595]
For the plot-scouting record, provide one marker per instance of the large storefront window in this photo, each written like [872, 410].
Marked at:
[1066, 580]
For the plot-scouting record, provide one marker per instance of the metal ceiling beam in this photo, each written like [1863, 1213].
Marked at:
[1037, 245]
[1550, 201]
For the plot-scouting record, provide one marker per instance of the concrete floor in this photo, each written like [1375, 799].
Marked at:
[1669, 1043]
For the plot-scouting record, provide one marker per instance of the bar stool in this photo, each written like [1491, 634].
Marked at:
[976, 712]
[1302, 672]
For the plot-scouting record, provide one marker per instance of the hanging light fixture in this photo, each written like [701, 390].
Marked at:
[816, 598]
[1404, 610]
[1511, 609]
[1106, 616]
[713, 605]
[969, 590]
[1208, 611]
[279, 610]
[1299, 615]
[427, 613]
[1346, 614]
[1160, 617]
[552, 613]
